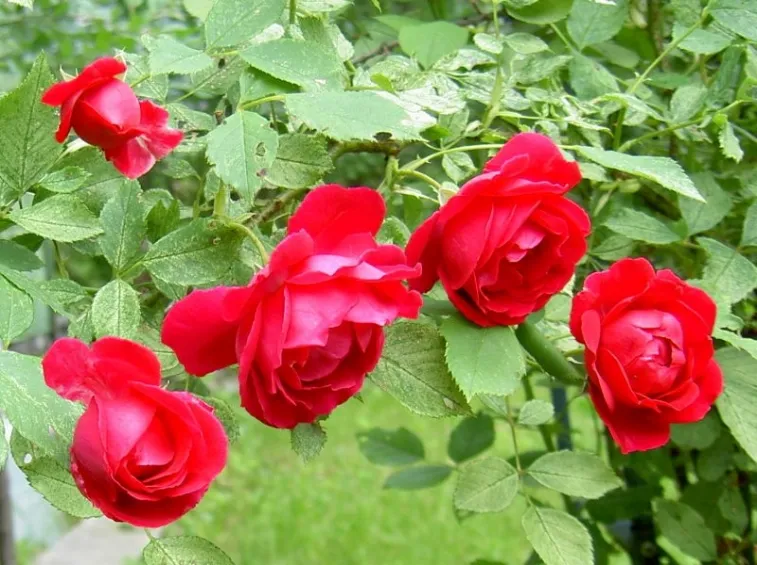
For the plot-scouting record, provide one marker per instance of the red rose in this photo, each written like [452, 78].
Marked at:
[105, 112]
[649, 355]
[141, 454]
[309, 327]
[509, 240]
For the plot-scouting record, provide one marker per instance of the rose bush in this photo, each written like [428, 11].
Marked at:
[309, 327]
[510, 239]
[649, 351]
[141, 454]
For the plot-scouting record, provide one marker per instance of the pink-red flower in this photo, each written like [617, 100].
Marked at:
[510, 239]
[141, 454]
[649, 354]
[105, 112]
[309, 327]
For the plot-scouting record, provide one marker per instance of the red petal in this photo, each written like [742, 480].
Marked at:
[423, 248]
[710, 387]
[201, 332]
[93, 74]
[132, 158]
[143, 363]
[159, 139]
[66, 369]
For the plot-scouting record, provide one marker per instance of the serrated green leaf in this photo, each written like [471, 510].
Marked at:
[68, 179]
[65, 291]
[592, 22]
[623, 504]
[124, 227]
[103, 180]
[703, 41]
[418, 477]
[590, 79]
[33, 288]
[458, 166]
[242, 147]
[486, 485]
[732, 275]
[525, 43]
[701, 216]
[145, 83]
[27, 144]
[199, 253]
[412, 369]
[301, 161]
[575, 474]
[322, 6]
[661, 170]
[472, 436]
[360, 115]
[739, 16]
[557, 537]
[225, 415]
[685, 529]
[483, 360]
[115, 310]
[537, 67]
[429, 42]
[748, 233]
[729, 143]
[307, 64]
[488, 43]
[687, 101]
[189, 120]
[233, 22]
[168, 56]
[198, 8]
[535, 413]
[16, 312]
[187, 550]
[391, 447]
[542, 12]
[62, 218]
[308, 440]
[736, 404]
[18, 257]
[641, 227]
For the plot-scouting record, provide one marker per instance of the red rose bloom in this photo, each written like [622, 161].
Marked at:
[105, 112]
[309, 327]
[649, 355]
[141, 454]
[509, 240]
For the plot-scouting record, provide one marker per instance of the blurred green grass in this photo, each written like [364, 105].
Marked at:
[269, 507]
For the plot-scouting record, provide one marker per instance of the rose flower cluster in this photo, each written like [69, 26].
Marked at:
[309, 327]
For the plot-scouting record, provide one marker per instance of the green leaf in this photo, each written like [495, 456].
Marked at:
[62, 218]
[68, 179]
[301, 161]
[356, 115]
[486, 485]
[686, 102]
[308, 440]
[115, 310]
[18, 257]
[34, 410]
[412, 370]
[418, 477]
[472, 436]
[232, 22]
[623, 504]
[103, 180]
[429, 42]
[661, 170]
[701, 216]
[199, 253]
[641, 227]
[168, 56]
[729, 273]
[391, 447]
[190, 120]
[285, 59]
[729, 143]
[703, 41]
[33, 288]
[590, 79]
[739, 16]
[557, 537]
[145, 83]
[731, 505]
[52, 480]
[187, 550]
[696, 435]
[574, 473]
[536, 413]
[27, 143]
[483, 360]
[525, 43]
[748, 234]
[458, 166]
[3, 445]
[198, 8]
[242, 147]
[488, 43]
[225, 415]
[124, 227]
[593, 22]
[738, 402]
[685, 529]
[16, 312]
[543, 12]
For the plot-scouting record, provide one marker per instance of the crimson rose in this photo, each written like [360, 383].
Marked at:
[141, 454]
[105, 112]
[649, 355]
[309, 327]
[509, 240]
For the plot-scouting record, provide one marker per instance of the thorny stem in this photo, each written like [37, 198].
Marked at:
[547, 355]
[419, 175]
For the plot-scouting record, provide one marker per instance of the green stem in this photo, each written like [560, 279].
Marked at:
[140, 80]
[428, 158]
[546, 437]
[254, 238]
[292, 12]
[419, 175]
[495, 100]
[547, 355]
[259, 101]
[631, 142]
[514, 435]
[59, 261]
[563, 38]
[495, 17]
[219, 204]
